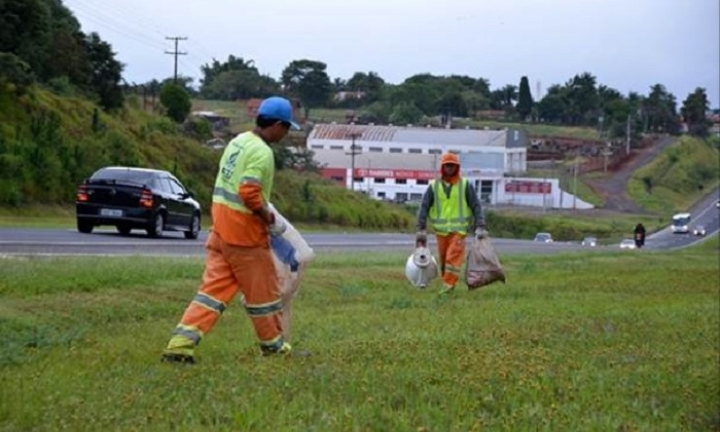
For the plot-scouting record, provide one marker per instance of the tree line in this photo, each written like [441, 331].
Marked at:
[580, 101]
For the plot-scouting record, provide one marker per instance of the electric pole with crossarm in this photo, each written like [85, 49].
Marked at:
[176, 53]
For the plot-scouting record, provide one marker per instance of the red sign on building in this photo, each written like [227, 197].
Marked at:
[393, 173]
[528, 187]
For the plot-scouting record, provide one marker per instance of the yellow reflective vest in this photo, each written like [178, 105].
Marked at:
[450, 214]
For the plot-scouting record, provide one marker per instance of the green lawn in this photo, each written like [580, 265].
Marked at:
[600, 341]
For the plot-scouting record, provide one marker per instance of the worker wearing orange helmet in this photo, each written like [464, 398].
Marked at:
[239, 258]
[452, 208]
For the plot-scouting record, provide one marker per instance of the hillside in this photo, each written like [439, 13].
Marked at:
[50, 143]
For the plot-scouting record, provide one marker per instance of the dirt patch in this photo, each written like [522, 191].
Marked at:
[613, 187]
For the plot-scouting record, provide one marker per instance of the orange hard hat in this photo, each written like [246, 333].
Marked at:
[449, 158]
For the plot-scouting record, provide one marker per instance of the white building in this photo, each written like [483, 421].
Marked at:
[397, 163]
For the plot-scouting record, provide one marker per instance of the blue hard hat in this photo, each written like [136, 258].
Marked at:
[279, 108]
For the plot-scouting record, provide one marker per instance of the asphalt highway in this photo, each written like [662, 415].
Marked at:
[56, 242]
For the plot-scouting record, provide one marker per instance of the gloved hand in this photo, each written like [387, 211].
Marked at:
[421, 238]
[277, 227]
[481, 233]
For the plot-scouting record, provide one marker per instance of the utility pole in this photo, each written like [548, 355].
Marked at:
[627, 137]
[353, 153]
[176, 53]
[575, 173]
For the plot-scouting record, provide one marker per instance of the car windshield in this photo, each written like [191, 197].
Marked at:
[700, 227]
[590, 239]
[628, 241]
[542, 236]
[123, 175]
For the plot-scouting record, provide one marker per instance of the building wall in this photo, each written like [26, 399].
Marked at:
[398, 163]
[410, 185]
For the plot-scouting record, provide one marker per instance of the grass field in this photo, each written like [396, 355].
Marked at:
[602, 342]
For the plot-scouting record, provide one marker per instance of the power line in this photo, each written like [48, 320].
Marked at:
[176, 53]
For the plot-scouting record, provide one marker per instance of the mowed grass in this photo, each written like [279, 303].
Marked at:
[599, 341]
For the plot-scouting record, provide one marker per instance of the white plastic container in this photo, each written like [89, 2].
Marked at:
[303, 252]
[421, 268]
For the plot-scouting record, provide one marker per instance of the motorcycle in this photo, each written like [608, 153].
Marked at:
[639, 240]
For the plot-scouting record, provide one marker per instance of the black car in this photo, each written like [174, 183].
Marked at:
[136, 198]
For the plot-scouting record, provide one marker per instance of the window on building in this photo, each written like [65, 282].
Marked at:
[317, 146]
[395, 150]
[454, 151]
[379, 180]
[336, 147]
[415, 151]
[381, 194]
[416, 196]
[376, 149]
[400, 181]
[340, 179]
[358, 179]
[486, 190]
[401, 197]
[421, 182]
[434, 151]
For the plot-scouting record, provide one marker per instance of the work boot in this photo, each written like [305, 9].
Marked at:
[178, 355]
[180, 349]
[285, 349]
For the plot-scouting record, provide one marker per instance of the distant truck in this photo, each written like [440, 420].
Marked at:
[681, 223]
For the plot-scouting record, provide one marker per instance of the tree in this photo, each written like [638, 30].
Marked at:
[525, 99]
[406, 113]
[26, 31]
[15, 74]
[210, 71]
[482, 87]
[552, 108]
[694, 112]
[371, 83]
[660, 110]
[503, 98]
[106, 72]
[176, 101]
[236, 79]
[582, 101]
[308, 81]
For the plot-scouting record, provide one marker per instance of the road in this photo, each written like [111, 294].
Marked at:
[703, 213]
[46, 242]
[50, 242]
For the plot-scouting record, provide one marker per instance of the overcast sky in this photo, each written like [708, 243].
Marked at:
[627, 44]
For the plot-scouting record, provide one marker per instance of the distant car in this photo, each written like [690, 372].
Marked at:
[136, 198]
[699, 230]
[589, 242]
[543, 238]
[628, 244]
[717, 204]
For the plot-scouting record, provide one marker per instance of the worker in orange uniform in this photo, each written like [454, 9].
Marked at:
[238, 245]
[452, 207]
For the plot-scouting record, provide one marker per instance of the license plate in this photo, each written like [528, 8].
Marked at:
[111, 212]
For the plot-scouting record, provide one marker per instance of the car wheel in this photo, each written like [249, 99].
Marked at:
[194, 231]
[123, 229]
[85, 226]
[158, 223]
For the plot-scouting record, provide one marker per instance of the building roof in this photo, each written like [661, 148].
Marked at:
[414, 135]
[376, 160]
